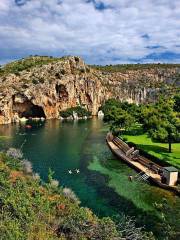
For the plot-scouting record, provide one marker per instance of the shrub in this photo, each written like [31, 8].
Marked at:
[36, 176]
[67, 113]
[27, 63]
[128, 230]
[30, 209]
[81, 112]
[27, 166]
[54, 183]
[130, 67]
[71, 195]
[14, 153]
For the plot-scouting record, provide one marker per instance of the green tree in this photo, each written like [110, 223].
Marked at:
[119, 119]
[131, 108]
[161, 122]
[177, 103]
[109, 104]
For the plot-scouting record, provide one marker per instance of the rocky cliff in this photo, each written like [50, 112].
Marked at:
[43, 90]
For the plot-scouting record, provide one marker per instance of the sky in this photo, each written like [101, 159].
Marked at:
[100, 31]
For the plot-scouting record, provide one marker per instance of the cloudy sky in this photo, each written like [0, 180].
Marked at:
[100, 31]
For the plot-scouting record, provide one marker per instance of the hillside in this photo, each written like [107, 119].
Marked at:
[127, 67]
[44, 86]
[31, 209]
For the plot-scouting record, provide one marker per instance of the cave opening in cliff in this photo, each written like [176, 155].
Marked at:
[34, 112]
[28, 110]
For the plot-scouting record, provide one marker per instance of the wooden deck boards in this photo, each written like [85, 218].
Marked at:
[137, 165]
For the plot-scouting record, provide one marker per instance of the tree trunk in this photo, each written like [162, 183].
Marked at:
[170, 149]
[170, 142]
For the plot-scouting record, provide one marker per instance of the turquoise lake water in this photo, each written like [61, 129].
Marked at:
[102, 184]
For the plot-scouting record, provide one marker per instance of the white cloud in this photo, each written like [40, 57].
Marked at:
[4, 6]
[76, 27]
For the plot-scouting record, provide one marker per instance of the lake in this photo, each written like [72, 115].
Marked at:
[102, 183]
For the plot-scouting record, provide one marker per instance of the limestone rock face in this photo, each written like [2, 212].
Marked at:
[44, 91]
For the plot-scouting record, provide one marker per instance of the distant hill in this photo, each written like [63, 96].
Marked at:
[127, 67]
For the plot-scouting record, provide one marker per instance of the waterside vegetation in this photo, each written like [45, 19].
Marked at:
[80, 111]
[153, 127]
[32, 209]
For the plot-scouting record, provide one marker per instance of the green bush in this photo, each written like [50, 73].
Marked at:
[82, 112]
[128, 67]
[25, 64]
[31, 209]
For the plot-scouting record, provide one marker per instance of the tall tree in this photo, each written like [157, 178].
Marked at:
[119, 119]
[161, 122]
[177, 103]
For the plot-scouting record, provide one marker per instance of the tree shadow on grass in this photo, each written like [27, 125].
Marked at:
[156, 149]
[146, 149]
[166, 158]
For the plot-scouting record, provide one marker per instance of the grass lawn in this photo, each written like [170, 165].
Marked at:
[159, 150]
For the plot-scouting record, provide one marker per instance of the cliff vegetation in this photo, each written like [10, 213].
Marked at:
[127, 67]
[26, 64]
[34, 210]
[80, 111]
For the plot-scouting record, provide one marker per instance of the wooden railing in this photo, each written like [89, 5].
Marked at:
[144, 161]
[124, 147]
